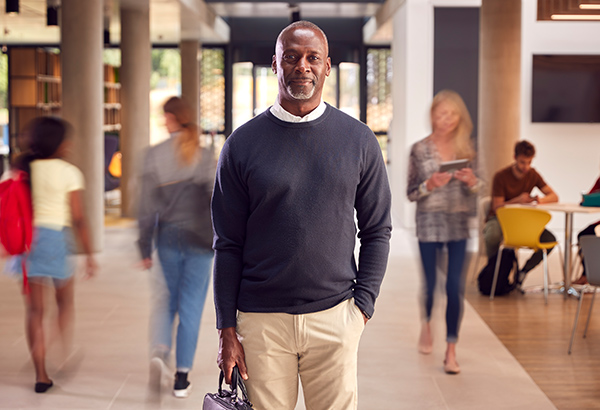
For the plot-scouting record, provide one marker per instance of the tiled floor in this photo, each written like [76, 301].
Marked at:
[108, 366]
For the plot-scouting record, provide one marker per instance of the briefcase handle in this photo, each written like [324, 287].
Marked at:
[236, 380]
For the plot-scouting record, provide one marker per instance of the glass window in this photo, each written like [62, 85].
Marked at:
[379, 94]
[165, 82]
[266, 88]
[350, 89]
[255, 89]
[330, 88]
[243, 89]
[212, 91]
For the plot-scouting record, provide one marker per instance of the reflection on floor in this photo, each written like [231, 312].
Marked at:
[108, 366]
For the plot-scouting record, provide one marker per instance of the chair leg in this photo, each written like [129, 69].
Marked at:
[496, 269]
[561, 258]
[562, 261]
[587, 323]
[546, 276]
[577, 269]
[576, 319]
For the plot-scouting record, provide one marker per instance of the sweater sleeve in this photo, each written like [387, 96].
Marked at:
[230, 214]
[373, 204]
[415, 179]
[148, 207]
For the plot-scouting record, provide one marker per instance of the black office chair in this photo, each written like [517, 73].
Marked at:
[590, 245]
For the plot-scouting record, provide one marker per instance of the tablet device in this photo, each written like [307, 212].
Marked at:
[451, 166]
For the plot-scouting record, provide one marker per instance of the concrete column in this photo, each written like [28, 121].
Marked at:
[499, 83]
[82, 99]
[190, 76]
[135, 99]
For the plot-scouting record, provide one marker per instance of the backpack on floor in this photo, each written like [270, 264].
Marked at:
[486, 276]
[16, 218]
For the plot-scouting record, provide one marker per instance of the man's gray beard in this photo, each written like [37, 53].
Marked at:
[302, 95]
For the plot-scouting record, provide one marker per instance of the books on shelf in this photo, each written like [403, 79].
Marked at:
[35, 89]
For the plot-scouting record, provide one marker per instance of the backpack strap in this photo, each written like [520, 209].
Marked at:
[24, 176]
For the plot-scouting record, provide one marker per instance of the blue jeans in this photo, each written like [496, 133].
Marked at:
[186, 274]
[454, 282]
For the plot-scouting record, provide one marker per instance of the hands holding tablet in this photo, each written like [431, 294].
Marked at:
[457, 169]
[466, 176]
[437, 180]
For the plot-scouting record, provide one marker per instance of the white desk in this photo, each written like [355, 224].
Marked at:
[569, 210]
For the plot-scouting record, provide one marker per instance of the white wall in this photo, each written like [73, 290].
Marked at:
[412, 91]
[568, 155]
[412, 54]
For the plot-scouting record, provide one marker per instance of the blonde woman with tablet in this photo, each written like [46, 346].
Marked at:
[443, 184]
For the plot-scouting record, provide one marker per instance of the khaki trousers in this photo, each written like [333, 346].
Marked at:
[320, 347]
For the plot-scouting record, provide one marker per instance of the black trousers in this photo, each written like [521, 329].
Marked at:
[537, 257]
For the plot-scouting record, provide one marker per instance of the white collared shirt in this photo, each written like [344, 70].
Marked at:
[278, 111]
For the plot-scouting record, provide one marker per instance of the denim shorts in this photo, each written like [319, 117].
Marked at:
[49, 256]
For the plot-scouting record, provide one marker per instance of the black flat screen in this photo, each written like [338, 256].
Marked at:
[566, 88]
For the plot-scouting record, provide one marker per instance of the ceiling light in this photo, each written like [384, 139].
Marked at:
[12, 6]
[575, 17]
[589, 6]
[52, 16]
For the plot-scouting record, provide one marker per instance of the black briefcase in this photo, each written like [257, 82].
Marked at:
[228, 400]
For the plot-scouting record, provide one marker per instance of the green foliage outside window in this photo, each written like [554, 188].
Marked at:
[166, 67]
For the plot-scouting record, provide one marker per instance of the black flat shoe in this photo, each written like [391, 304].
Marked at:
[43, 387]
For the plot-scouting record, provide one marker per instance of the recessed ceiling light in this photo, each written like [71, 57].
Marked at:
[575, 17]
[589, 6]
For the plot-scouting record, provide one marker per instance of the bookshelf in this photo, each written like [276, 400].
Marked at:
[35, 89]
[112, 99]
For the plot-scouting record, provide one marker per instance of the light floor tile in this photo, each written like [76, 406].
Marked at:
[108, 366]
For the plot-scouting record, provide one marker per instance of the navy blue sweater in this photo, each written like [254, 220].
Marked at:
[283, 217]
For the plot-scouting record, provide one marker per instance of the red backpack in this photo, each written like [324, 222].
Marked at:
[16, 218]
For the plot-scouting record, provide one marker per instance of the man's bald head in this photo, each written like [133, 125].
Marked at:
[302, 24]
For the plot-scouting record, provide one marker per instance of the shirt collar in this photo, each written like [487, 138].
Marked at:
[278, 111]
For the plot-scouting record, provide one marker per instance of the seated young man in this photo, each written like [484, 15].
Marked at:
[513, 185]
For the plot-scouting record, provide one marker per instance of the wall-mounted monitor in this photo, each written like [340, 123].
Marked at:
[566, 88]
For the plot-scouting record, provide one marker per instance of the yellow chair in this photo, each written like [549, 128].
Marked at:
[521, 228]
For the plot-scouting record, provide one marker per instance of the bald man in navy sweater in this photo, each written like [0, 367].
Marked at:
[290, 298]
